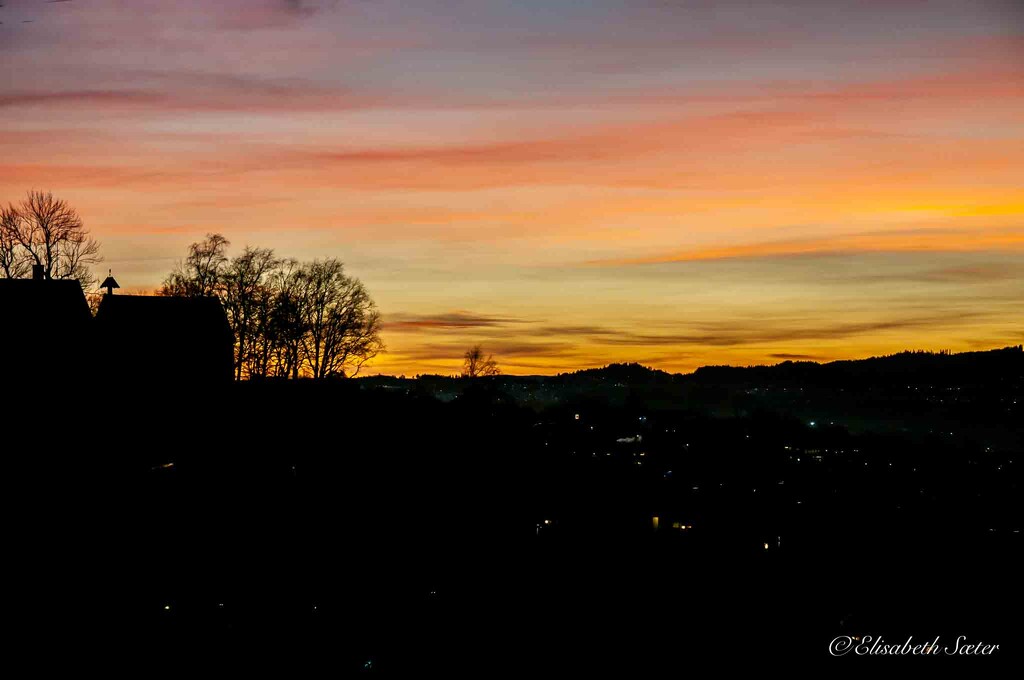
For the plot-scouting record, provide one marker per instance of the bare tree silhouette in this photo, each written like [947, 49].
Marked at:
[476, 365]
[342, 322]
[248, 301]
[288, 319]
[14, 261]
[46, 231]
[201, 274]
[287, 325]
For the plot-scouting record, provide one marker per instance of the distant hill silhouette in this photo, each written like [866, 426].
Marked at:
[910, 367]
[626, 373]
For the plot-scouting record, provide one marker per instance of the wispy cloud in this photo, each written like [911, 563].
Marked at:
[983, 272]
[919, 240]
[457, 320]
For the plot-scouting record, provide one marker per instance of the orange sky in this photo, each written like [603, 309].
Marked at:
[566, 183]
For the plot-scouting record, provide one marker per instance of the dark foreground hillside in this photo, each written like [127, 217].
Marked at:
[373, 530]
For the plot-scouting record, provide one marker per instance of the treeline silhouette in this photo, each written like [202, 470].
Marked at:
[289, 319]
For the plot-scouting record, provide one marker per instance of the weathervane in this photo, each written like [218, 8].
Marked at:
[109, 283]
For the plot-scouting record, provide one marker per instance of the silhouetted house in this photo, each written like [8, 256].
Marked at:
[161, 340]
[45, 329]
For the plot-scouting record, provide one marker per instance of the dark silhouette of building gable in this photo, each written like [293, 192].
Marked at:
[45, 328]
[160, 339]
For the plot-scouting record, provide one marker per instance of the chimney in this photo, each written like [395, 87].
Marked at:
[37, 272]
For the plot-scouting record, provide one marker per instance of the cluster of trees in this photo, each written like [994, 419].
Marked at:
[289, 318]
[44, 230]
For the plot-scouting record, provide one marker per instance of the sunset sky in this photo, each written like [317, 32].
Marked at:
[566, 183]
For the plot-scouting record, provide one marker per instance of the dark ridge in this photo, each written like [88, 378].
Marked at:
[910, 367]
[628, 373]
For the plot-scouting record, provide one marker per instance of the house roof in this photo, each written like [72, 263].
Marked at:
[164, 314]
[42, 305]
[156, 338]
